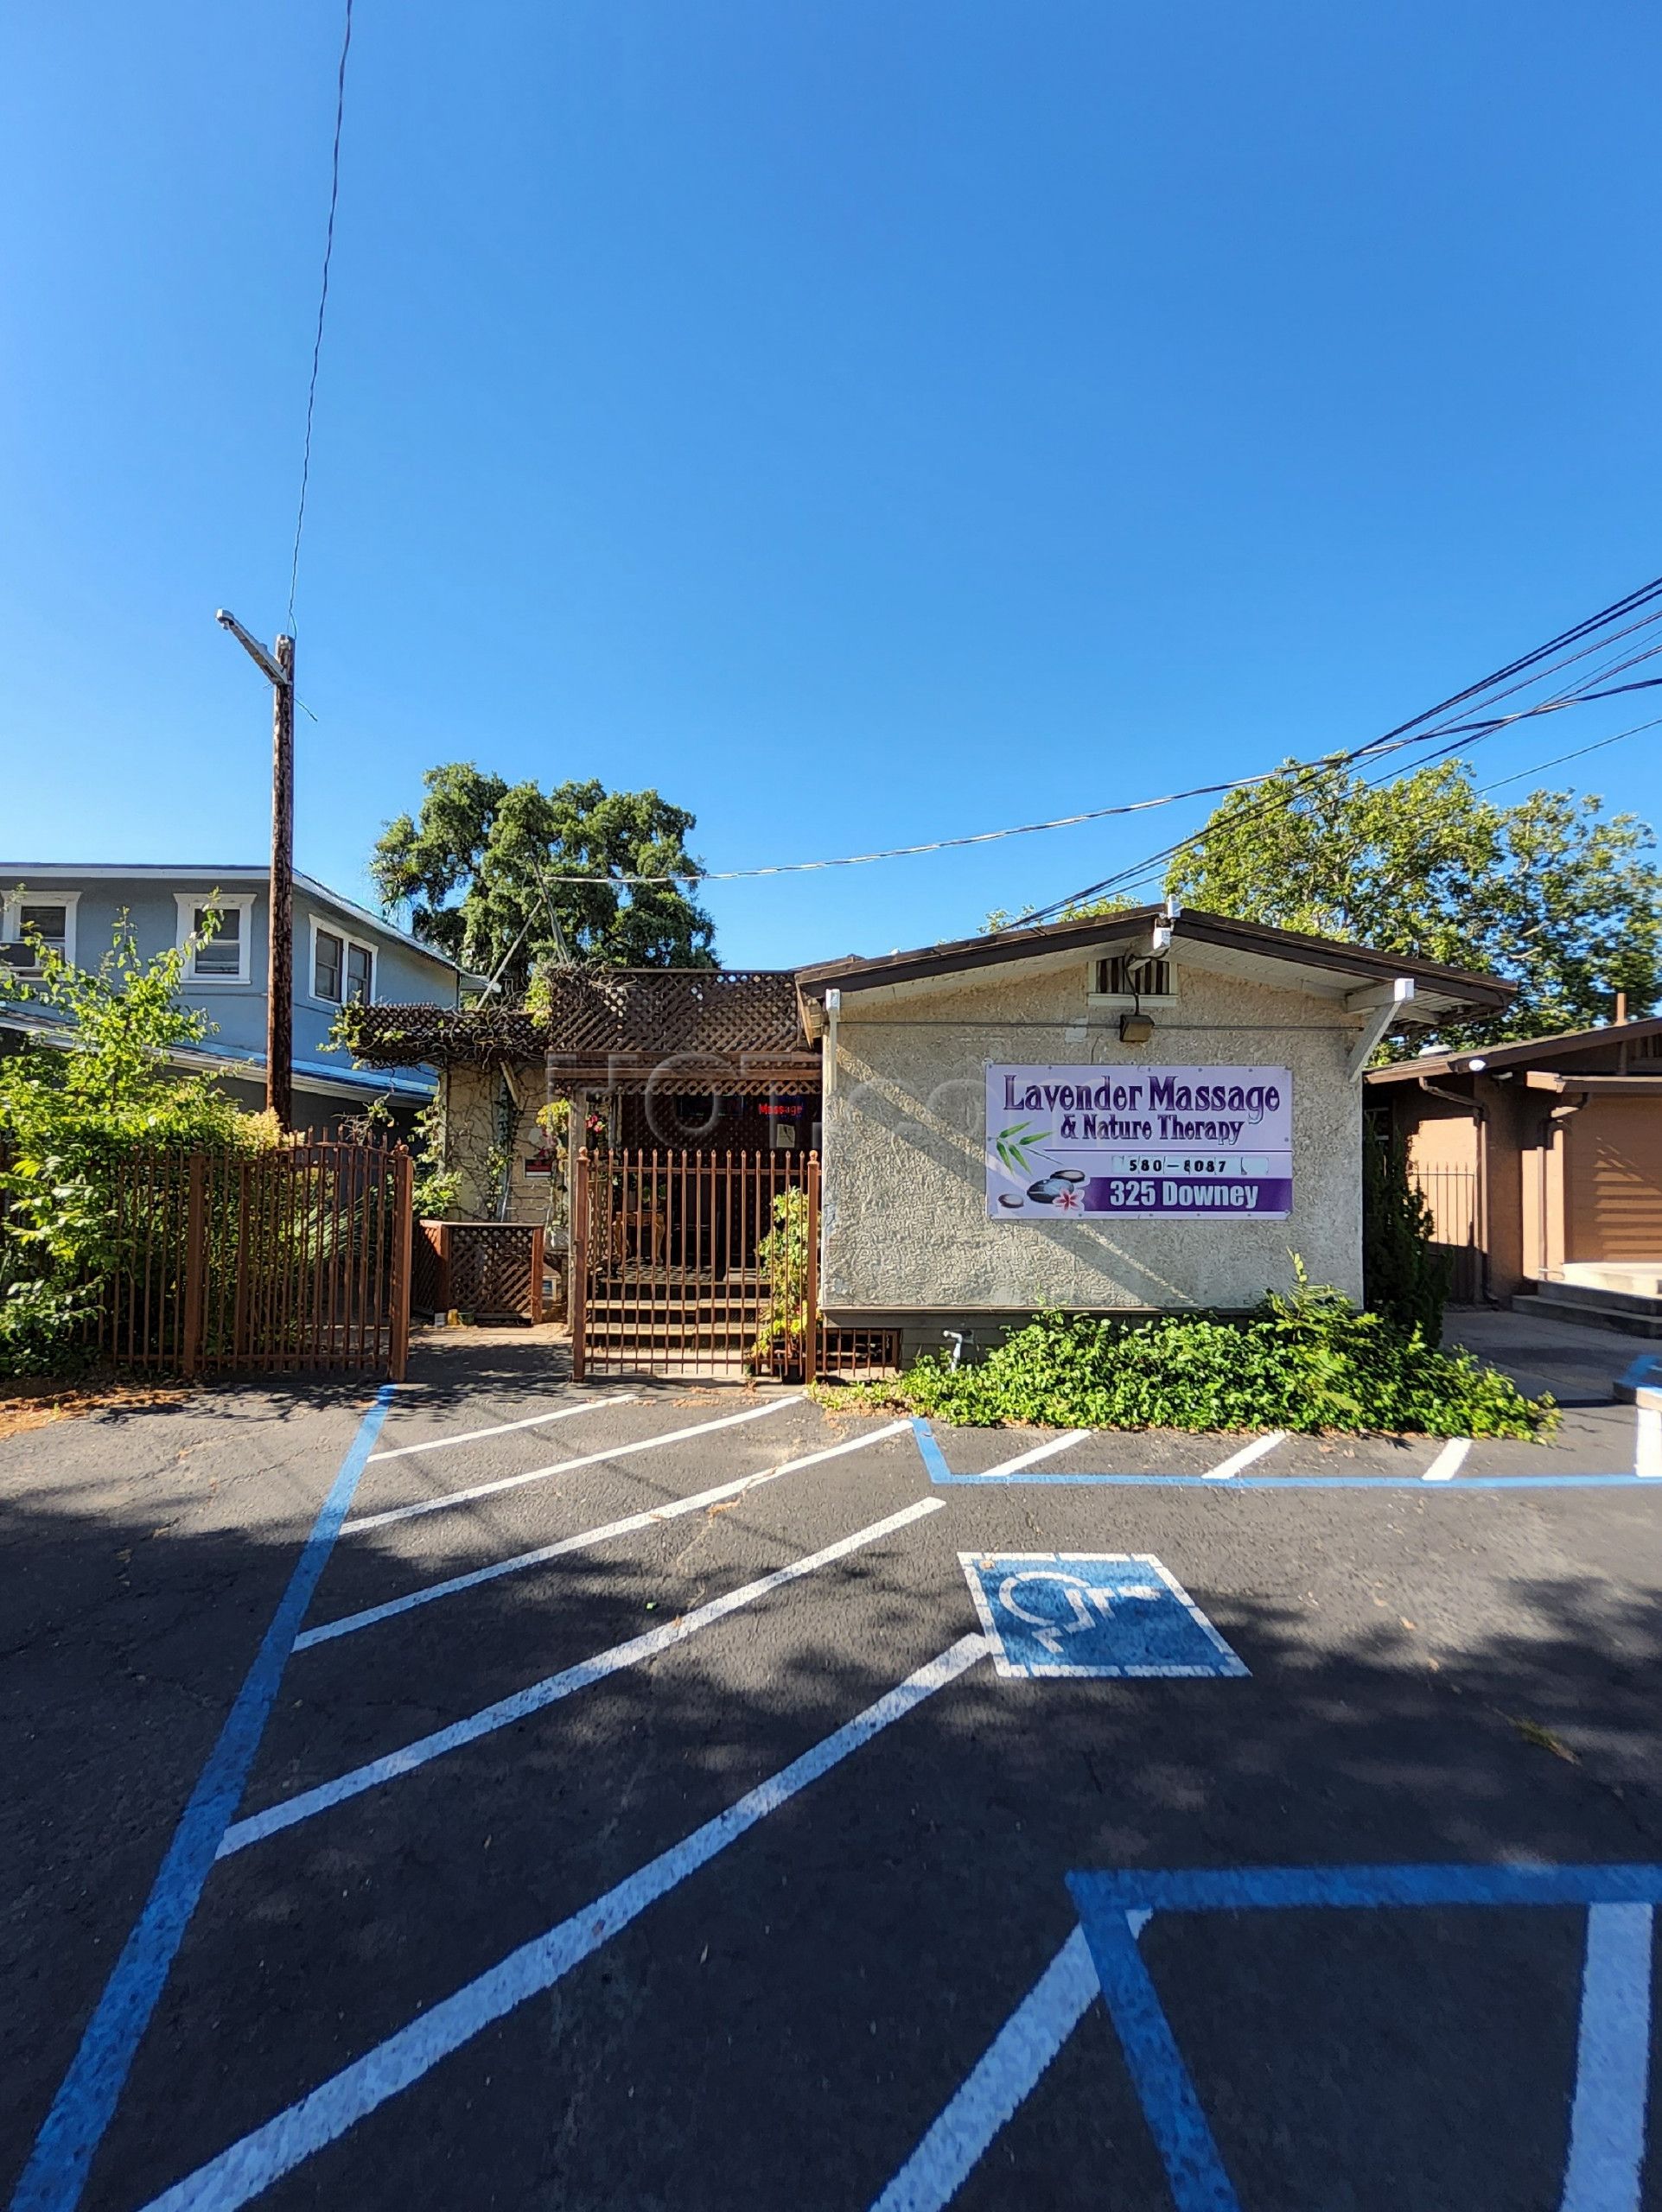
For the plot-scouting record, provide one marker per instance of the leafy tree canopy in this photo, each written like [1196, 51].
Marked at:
[478, 867]
[1550, 893]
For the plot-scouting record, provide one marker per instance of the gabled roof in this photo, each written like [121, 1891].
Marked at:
[67, 875]
[1323, 960]
[1531, 1052]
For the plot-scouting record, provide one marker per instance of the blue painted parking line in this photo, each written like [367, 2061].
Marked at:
[933, 1457]
[1004, 2076]
[1606, 2150]
[1287, 1889]
[935, 1460]
[55, 2176]
[1084, 1613]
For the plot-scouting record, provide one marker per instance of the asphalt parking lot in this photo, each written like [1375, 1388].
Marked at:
[685, 1798]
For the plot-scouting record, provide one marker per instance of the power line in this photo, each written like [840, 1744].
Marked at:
[1395, 740]
[1405, 734]
[322, 306]
[1153, 870]
[1104, 813]
[932, 845]
[1558, 759]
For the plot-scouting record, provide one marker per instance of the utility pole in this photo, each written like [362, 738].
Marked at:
[279, 669]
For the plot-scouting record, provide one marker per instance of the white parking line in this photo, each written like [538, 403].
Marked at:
[261, 2157]
[1046, 1451]
[1008, 2072]
[1448, 1461]
[350, 1622]
[563, 1467]
[1613, 2064]
[1647, 1445]
[552, 1688]
[1233, 1464]
[502, 1428]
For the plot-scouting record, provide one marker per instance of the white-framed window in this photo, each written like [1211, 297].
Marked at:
[47, 915]
[343, 968]
[216, 931]
[1129, 976]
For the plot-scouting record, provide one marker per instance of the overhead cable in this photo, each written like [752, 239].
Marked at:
[1404, 735]
[322, 307]
[1465, 735]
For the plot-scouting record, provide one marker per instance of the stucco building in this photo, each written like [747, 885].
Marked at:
[1138, 1113]
[1230, 1056]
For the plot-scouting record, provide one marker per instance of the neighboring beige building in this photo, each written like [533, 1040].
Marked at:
[1542, 1163]
[924, 1230]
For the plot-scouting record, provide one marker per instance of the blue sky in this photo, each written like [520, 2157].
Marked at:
[866, 422]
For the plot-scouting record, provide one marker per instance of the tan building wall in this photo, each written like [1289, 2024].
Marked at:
[905, 1209]
[1563, 1177]
[1613, 1181]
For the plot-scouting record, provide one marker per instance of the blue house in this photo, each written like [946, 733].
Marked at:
[342, 952]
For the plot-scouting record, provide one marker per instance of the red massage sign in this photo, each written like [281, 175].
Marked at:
[1093, 1141]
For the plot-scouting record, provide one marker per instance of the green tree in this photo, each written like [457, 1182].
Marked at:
[73, 1105]
[1549, 893]
[478, 867]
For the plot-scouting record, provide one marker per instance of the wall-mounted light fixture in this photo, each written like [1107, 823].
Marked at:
[1135, 1029]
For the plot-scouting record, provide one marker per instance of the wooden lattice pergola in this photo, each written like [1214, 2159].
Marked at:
[667, 1030]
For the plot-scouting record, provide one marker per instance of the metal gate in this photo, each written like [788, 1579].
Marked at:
[1450, 1194]
[695, 1263]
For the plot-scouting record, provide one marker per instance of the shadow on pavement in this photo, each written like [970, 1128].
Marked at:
[779, 2031]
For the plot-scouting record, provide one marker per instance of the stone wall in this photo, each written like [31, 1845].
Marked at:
[477, 1122]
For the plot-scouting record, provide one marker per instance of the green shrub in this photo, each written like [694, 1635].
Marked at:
[782, 1264]
[1406, 1278]
[73, 1112]
[1306, 1363]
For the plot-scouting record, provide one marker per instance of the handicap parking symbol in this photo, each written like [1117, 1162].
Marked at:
[1108, 1613]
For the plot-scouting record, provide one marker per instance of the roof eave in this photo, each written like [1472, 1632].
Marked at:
[1448, 987]
[1496, 1057]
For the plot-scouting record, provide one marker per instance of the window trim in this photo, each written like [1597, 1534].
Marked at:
[11, 923]
[188, 902]
[348, 944]
[1168, 997]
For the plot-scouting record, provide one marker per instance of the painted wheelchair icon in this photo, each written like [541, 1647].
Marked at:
[1604, 2164]
[1084, 1613]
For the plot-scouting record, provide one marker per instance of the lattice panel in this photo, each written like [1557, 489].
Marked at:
[492, 1268]
[639, 1013]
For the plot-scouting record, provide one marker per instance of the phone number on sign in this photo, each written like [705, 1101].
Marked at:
[1155, 1164]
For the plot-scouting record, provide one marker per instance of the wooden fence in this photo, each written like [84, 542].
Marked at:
[294, 1260]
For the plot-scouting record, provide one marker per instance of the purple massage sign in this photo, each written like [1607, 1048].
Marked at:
[1198, 1142]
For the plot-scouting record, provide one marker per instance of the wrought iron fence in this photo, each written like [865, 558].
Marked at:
[1451, 1194]
[695, 1263]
